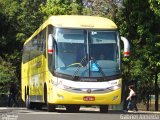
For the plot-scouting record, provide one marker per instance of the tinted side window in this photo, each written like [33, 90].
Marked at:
[42, 42]
[26, 53]
[35, 47]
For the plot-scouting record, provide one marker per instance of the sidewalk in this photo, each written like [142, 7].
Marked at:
[145, 112]
[119, 111]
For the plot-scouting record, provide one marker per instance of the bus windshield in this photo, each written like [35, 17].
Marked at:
[87, 53]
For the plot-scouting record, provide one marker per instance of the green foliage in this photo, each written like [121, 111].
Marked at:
[105, 8]
[61, 7]
[7, 35]
[155, 6]
[138, 20]
[29, 19]
[140, 25]
[18, 20]
[7, 75]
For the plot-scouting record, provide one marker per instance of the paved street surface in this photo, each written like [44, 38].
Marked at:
[84, 114]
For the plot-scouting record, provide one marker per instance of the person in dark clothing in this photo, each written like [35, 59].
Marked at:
[12, 95]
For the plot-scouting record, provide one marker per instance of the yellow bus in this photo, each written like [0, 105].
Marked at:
[73, 61]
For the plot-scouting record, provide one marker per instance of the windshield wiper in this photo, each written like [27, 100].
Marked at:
[92, 61]
[78, 68]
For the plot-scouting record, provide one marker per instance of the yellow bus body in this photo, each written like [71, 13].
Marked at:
[35, 73]
[65, 97]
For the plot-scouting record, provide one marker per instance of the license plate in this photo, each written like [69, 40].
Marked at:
[88, 98]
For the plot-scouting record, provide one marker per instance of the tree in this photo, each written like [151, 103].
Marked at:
[18, 20]
[61, 7]
[140, 24]
[29, 19]
[155, 6]
[105, 8]
[7, 75]
[8, 25]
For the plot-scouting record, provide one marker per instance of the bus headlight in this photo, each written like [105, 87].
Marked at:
[61, 86]
[116, 87]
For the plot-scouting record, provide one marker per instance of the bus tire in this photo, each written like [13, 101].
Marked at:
[45, 93]
[50, 107]
[104, 108]
[38, 106]
[29, 105]
[72, 108]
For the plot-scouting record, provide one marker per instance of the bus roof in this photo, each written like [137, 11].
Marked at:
[77, 21]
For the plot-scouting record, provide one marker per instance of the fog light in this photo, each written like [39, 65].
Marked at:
[114, 98]
[60, 96]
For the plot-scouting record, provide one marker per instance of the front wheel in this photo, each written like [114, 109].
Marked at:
[38, 106]
[104, 108]
[50, 107]
[29, 104]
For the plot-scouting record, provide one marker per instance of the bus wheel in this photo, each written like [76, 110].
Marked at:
[104, 108]
[38, 106]
[50, 107]
[72, 108]
[29, 105]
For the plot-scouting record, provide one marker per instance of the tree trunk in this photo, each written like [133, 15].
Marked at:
[147, 105]
[156, 90]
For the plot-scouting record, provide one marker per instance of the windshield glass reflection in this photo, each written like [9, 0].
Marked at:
[87, 53]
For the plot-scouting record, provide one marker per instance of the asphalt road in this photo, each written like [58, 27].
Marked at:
[84, 114]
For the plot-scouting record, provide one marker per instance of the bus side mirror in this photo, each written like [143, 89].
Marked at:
[126, 46]
[50, 43]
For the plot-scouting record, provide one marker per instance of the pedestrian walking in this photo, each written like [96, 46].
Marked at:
[12, 94]
[132, 99]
